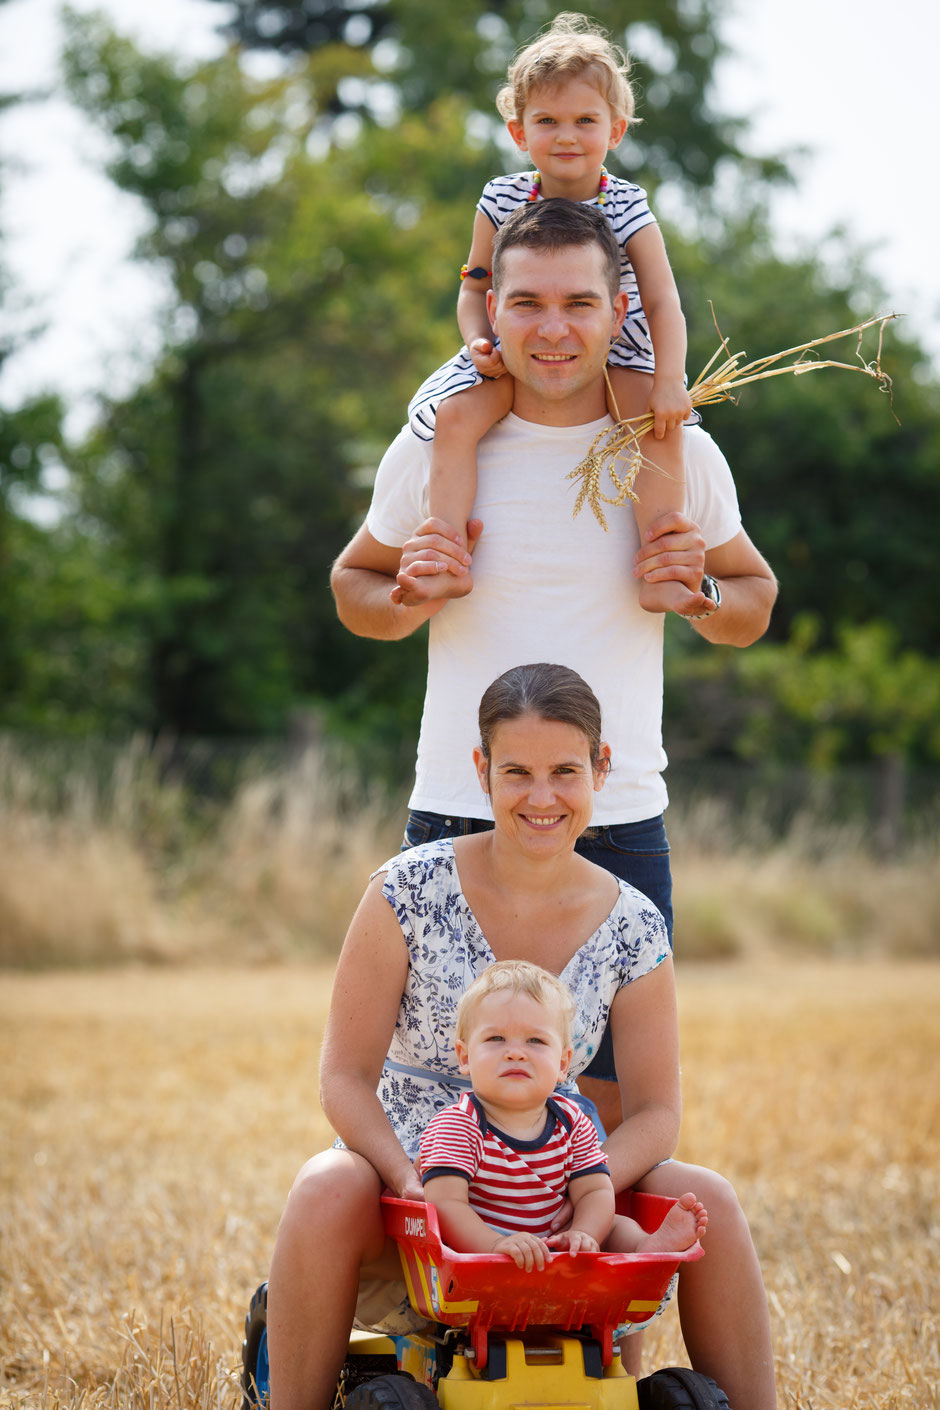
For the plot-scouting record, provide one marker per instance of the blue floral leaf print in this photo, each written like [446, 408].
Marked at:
[447, 950]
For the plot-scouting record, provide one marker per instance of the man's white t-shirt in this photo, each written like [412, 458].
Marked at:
[547, 587]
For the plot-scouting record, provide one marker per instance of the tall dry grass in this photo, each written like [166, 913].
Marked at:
[108, 865]
[153, 1121]
[104, 865]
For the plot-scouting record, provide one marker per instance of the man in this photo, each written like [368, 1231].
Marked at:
[545, 586]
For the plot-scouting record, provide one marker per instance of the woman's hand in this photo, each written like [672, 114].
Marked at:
[487, 360]
[670, 404]
[411, 1187]
[527, 1251]
[563, 1218]
[575, 1241]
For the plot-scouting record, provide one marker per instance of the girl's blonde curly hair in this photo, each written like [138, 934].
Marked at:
[572, 47]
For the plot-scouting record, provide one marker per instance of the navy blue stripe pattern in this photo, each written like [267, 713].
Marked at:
[626, 208]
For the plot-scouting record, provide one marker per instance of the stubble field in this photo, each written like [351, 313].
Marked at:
[153, 1120]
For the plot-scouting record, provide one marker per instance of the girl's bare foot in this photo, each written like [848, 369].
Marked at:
[437, 581]
[669, 596]
[686, 1221]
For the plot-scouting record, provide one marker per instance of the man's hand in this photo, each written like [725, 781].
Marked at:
[527, 1251]
[434, 547]
[675, 551]
[487, 360]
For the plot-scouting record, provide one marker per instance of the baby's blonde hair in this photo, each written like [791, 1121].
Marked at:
[572, 47]
[518, 977]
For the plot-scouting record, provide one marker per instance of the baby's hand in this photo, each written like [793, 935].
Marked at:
[670, 404]
[575, 1241]
[527, 1251]
[486, 359]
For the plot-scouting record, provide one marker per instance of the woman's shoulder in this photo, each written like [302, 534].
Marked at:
[638, 929]
[418, 865]
[632, 905]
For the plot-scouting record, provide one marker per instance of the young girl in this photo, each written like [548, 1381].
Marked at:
[500, 1163]
[567, 103]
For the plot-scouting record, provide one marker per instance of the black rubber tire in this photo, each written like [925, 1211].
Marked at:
[399, 1392]
[678, 1388]
[357, 1369]
[254, 1396]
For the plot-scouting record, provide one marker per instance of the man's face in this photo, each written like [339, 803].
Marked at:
[555, 322]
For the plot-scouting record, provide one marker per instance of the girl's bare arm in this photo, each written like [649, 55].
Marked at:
[472, 317]
[669, 398]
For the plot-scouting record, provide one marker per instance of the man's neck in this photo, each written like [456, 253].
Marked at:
[587, 406]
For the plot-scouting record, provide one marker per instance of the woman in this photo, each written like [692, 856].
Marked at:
[432, 920]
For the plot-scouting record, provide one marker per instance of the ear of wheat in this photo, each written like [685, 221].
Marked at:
[620, 443]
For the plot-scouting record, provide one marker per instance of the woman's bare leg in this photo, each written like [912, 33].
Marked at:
[722, 1303]
[331, 1229]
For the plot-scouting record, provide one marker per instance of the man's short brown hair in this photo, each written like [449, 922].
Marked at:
[558, 224]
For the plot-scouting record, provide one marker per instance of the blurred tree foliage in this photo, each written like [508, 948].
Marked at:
[865, 696]
[418, 51]
[227, 484]
[309, 224]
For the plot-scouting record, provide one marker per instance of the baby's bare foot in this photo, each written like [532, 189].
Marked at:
[686, 1221]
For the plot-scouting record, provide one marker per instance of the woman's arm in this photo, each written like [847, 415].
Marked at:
[367, 991]
[645, 1031]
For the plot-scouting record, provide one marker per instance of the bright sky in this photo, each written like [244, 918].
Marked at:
[852, 80]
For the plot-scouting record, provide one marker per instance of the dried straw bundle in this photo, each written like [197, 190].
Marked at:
[622, 441]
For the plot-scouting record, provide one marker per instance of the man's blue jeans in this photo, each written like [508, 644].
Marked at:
[636, 852]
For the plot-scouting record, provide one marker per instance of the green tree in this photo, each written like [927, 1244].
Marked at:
[834, 490]
[800, 702]
[406, 54]
[313, 264]
[230, 480]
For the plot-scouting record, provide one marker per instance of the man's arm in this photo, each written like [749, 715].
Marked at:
[747, 584]
[367, 572]
[748, 593]
[362, 579]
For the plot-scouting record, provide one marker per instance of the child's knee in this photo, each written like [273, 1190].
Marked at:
[624, 1235]
[471, 413]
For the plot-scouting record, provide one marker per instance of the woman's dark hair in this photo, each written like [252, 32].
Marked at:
[551, 693]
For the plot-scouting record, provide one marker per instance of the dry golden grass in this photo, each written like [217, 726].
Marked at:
[141, 874]
[130, 869]
[153, 1121]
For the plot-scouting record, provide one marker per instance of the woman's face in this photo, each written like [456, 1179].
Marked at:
[541, 782]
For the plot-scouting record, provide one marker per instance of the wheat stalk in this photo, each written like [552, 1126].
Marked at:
[622, 440]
